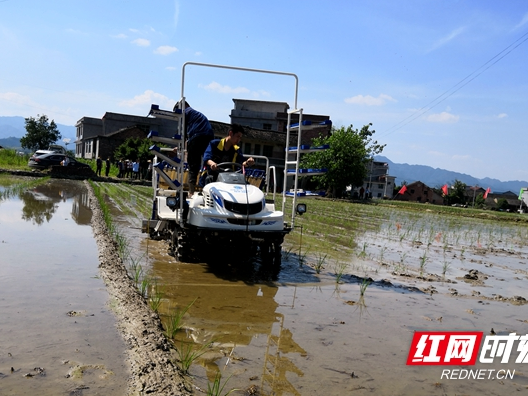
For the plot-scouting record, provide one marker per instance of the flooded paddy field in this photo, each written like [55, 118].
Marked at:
[57, 332]
[336, 316]
[339, 313]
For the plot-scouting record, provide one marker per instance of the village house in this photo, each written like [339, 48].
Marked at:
[378, 182]
[420, 192]
[101, 136]
[267, 137]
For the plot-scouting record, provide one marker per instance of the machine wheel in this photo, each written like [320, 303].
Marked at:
[184, 248]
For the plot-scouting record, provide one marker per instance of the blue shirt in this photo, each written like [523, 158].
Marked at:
[196, 124]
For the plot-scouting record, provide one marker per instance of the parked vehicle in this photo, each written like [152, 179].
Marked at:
[46, 160]
[53, 148]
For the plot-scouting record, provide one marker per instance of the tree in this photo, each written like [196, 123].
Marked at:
[40, 133]
[134, 149]
[350, 151]
[479, 201]
[457, 193]
[502, 204]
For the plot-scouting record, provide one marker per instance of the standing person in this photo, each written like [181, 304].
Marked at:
[120, 168]
[226, 150]
[128, 169]
[107, 166]
[199, 133]
[99, 166]
[149, 170]
[135, 169]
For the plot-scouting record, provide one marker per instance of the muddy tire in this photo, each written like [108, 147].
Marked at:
[184, 247]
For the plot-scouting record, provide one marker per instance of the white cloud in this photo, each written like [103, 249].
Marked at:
[523, 22]
[224, 89]
[502, 115]
[165, 50]
[119, 36]
[171, 68]
[443, 118]
[197, 53]
[141, 42]
[444, 40]
[176, 13]
[370, 100]
[147, 98]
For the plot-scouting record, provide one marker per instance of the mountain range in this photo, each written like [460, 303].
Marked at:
[436, 178]
[13, 128]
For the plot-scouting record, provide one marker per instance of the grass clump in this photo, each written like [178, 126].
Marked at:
[216, 388]
[174, 320]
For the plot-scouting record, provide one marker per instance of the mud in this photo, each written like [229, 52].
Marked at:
[150, 355]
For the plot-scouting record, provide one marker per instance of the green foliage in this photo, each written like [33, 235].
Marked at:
[346, 160]
[134, 148]
[40, 133]
[457, 193]
[502, 204]
[9, 159]
[479, 201]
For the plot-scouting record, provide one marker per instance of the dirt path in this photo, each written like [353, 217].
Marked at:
[150, 355]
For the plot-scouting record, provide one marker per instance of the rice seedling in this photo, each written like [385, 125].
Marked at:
[365, 283]
[187, 355]
[174, 322]
[302, 258]
[445, 268]
[216, 388]
[363, 252]
[144, 286]
[423, 263]
[382, 253]
[319, 264]
[287, 253]
[339, 270]
[156, 296]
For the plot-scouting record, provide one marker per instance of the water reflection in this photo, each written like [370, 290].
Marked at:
[41, 202]
[235, 310]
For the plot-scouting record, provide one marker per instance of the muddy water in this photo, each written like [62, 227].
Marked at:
[296, 332]
[57, 333]
[271, 331]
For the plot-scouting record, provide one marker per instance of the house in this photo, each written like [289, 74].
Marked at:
[514, 203]
[273, 116]
[264, 122]
[420, 192]
[378, 182]
[100, 137]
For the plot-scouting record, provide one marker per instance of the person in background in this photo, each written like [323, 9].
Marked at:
[149, 170]
[99, 166]
[199, 133]
[128, 171]
[120, 167]
[107, 166]
[135, 170]
[226, 150]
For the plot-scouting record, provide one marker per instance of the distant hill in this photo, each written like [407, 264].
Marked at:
[435, 177]
[13, 128]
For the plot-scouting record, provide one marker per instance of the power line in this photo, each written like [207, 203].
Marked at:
[458, 86]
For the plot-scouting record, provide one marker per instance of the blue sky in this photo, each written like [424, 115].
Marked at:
[444, 83]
